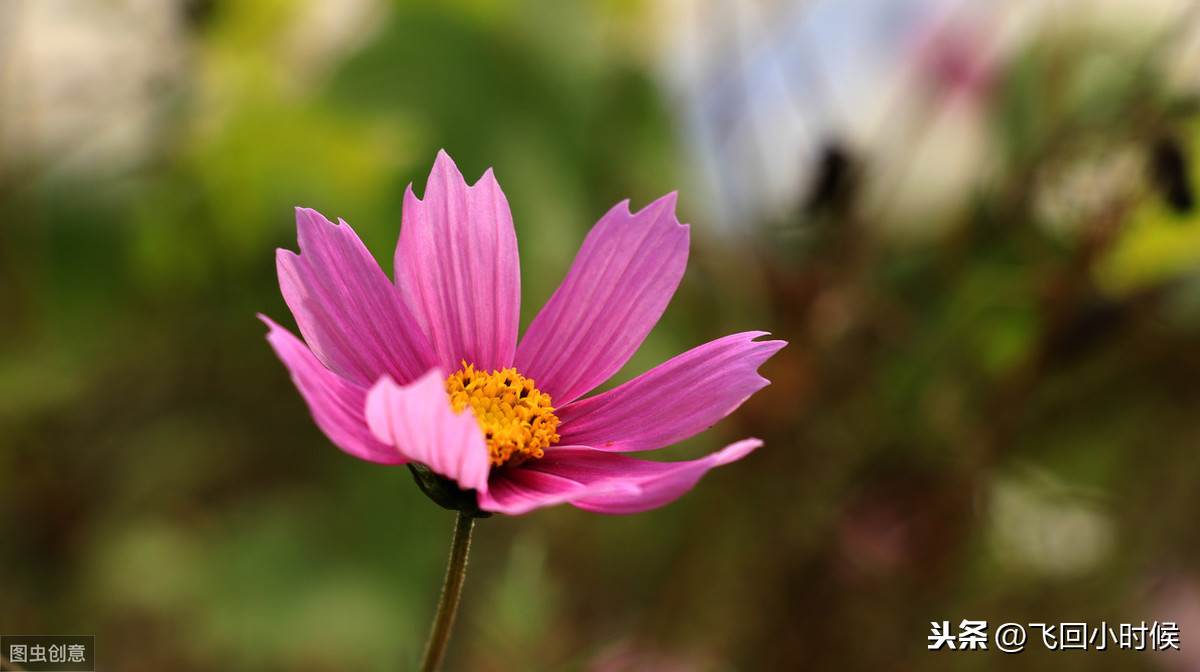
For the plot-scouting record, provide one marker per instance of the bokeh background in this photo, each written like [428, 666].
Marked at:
[975, 222]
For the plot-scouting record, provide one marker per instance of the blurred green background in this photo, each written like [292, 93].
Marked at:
[990, 407]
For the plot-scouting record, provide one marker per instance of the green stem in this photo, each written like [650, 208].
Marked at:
[456, 572]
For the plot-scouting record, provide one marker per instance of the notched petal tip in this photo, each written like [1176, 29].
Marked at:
[410, 195]
[668, 201]
[272, 326]
[774, 344]
[705, 384]
[278, 335]
[488, 183]
[583, 335]
[309, 215]
[336, 405]
[284, 255]
[767, 349]
[770, 346]
[654, 209]
[736, 451]
[345, 306]
[663, 205]
[602, 482]
[456, 265]
[309, 225]
[447, 167]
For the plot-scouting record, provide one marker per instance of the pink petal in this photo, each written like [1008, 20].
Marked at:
[618, 286]
[457, 267]
[672, 401]
[517, 490]
[419, 422]
[659, 483]
[600, 481]
[336, 404]
[349, 313]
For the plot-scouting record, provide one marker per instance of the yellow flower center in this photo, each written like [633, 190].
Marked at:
[516, 417]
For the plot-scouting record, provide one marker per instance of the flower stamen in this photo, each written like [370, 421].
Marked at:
[517, 419]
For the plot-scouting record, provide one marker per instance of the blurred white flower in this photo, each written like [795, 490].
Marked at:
[82, 81]
[326, 31]
[1066, 200]
[765, 87]
[1045, 529]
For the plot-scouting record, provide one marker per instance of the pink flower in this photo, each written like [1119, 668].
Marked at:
[388, 369]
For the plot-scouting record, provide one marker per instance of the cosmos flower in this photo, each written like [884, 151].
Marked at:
[427, 369]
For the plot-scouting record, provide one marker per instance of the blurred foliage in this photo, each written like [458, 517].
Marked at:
[997, 422]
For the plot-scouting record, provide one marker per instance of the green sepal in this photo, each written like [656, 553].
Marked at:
[446, 493]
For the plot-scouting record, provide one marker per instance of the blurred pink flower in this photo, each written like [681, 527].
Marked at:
[389, 367]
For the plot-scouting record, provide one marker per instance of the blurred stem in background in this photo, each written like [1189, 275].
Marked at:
[456, 573]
